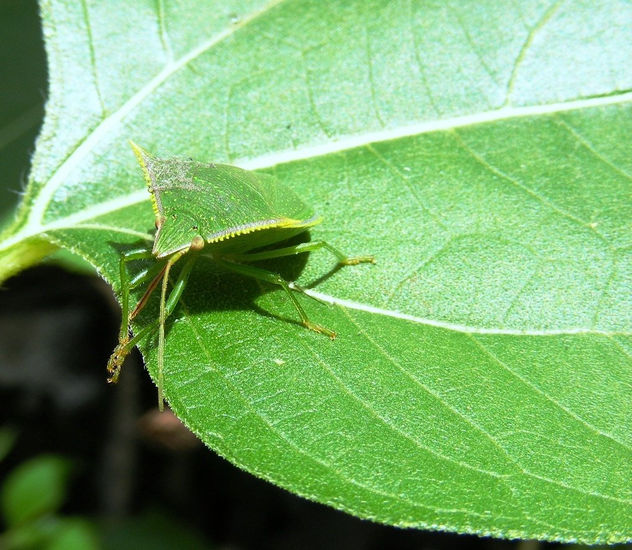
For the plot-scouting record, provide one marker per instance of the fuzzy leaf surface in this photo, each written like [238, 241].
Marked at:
[481, 380]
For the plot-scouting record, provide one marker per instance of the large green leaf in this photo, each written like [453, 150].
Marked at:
[481, 378]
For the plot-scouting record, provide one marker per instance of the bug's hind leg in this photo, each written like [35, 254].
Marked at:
[276, 279]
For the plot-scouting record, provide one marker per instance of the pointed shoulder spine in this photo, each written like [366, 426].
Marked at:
[143, 157]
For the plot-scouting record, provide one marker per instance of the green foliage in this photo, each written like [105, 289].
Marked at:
[52, 533]
[31, 497]
[481, 378]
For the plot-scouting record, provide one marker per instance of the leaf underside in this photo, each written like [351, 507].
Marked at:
[481, 380]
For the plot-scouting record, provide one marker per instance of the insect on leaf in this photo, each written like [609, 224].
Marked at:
[225, 210]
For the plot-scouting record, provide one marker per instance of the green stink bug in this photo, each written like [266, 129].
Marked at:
[225, 211]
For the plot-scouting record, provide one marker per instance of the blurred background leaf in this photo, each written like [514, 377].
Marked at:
[22, 96]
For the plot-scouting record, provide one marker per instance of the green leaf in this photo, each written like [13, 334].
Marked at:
[34, 488]
[74, 534]
[52, 533]
[481, 378]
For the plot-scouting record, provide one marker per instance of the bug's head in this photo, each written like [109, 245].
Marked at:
[177, 231]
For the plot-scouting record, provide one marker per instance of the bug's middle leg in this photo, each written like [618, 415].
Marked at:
[276, 279]
[301, 248]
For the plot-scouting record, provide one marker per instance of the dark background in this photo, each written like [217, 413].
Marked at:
[141, 478]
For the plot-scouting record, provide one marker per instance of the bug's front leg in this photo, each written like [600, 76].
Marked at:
[167, 306]
[118, 355]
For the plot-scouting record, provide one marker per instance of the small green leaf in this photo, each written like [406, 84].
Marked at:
[52, 533]
[34, 488]
[481, 380]
[74, 534]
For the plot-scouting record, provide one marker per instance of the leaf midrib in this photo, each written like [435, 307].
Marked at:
[456, 327]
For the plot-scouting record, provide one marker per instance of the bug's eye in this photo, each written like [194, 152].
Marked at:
[197, 243]
[195, 228]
